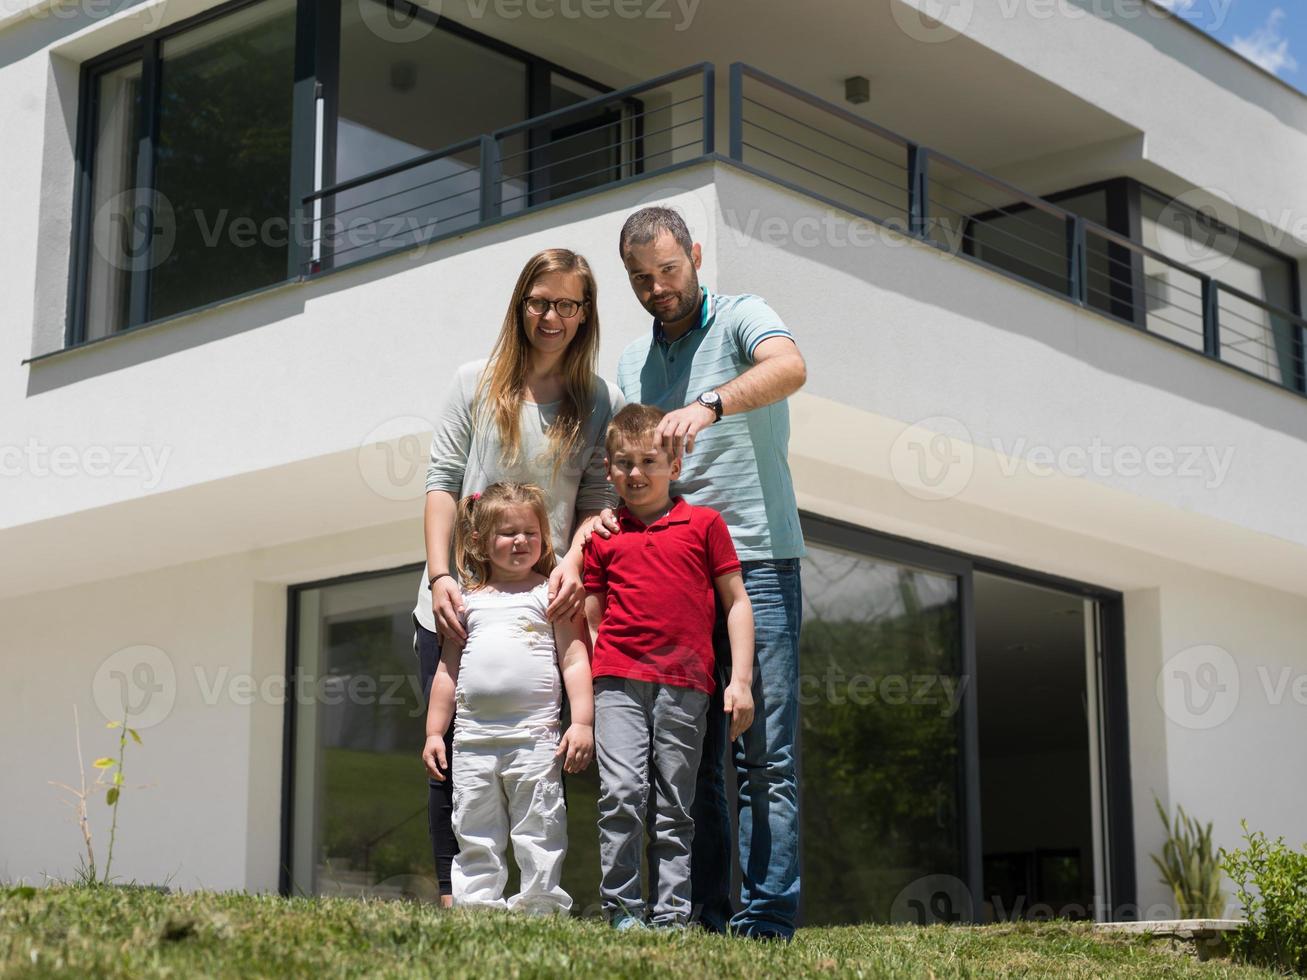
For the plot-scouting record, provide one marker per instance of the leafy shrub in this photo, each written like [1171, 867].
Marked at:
[1271, 882]
[1190, 867]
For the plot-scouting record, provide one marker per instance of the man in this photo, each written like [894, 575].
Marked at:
[722, 367]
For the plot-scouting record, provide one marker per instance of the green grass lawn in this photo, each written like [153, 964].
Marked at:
[111, 932]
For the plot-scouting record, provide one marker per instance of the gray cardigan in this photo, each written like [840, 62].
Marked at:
[466, 458]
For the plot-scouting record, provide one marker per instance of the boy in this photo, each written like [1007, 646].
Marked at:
[649, 604]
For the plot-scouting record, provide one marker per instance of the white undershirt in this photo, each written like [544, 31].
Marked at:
[508, 681]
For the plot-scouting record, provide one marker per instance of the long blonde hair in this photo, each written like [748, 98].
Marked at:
[478, 514]
[502, 387]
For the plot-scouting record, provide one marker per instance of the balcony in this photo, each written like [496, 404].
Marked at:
[837, 158]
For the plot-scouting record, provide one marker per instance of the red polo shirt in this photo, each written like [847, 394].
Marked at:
[658, 621]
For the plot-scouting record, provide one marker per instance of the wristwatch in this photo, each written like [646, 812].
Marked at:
[710, 399]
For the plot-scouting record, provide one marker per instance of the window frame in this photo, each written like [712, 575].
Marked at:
[1124, 197]
[147, 51]
[317, 69]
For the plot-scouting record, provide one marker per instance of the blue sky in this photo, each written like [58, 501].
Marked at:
[1273, 33]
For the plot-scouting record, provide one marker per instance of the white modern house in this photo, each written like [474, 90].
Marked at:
[1043, 262]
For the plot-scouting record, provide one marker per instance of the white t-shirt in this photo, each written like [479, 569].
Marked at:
[466, 458]
[508, 685]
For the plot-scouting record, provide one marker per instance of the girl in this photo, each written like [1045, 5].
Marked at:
[504, 679]
[534, 412]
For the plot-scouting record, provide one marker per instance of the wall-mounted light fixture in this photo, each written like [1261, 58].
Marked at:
[857, 89]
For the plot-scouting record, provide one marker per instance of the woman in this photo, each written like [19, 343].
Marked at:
[533, 412]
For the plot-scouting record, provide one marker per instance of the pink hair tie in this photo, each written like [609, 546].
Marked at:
[475, 496]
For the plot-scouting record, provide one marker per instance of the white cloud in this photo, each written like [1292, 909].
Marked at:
[1266, 46]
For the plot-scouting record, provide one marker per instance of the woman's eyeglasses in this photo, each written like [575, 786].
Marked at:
[565, 308]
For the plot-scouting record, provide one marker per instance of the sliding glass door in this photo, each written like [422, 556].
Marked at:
[883, 781]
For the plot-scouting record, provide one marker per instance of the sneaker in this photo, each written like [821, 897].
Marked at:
[625, 923]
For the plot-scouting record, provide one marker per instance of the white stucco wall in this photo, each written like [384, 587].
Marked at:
[264, 417]
[1210, 119]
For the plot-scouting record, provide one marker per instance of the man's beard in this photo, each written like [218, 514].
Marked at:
[688, 302]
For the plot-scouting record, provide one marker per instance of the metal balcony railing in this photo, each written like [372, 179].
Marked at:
[826, 152]
[640, 130]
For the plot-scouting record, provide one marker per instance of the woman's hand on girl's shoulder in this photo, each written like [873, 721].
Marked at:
[448, 608]
[566, 593]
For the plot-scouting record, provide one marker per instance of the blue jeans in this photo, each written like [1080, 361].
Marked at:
[765, 770]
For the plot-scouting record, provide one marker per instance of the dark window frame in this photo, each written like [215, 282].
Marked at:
[287, 843]
[1125, 216]
[317, 68]
[1114, 731]
[147, 51]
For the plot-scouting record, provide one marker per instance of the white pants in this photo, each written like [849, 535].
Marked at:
[506, 791]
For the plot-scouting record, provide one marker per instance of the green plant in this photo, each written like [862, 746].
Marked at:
[1190, 866]
[87, 873]
[1271, 883]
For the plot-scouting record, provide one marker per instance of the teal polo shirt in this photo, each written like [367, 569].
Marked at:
[738, 466]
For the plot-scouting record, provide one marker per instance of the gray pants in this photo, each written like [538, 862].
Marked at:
[648, 739]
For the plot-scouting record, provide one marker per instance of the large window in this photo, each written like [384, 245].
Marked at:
[359, 820]
[882, 770]
[1162, 293]
[187, 156]
[199, 143]
[1251, 336]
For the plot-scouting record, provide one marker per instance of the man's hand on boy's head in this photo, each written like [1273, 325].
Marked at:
[577, 746]
[676, 430]
[737, 702]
